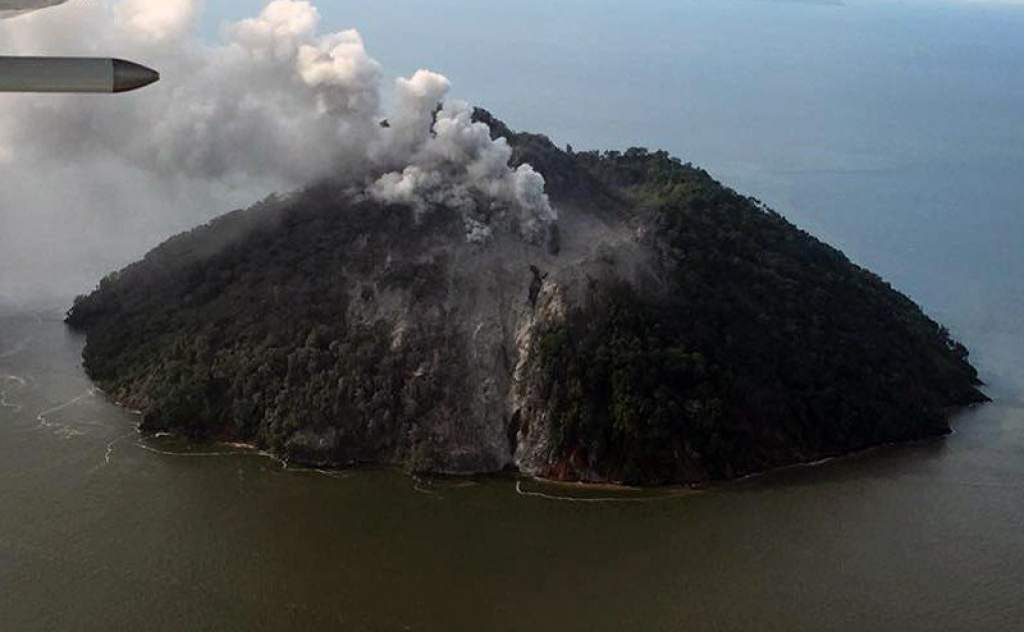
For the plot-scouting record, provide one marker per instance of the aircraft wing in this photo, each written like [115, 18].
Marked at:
[11, 8]
[66, 74]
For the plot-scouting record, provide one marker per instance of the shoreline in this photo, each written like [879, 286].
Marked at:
[686, 488]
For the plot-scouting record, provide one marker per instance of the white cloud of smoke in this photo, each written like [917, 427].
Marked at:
[457, 165]
[274, 105]
[155, 21]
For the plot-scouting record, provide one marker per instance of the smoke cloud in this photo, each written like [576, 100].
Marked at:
[457, 165]
[91, 182]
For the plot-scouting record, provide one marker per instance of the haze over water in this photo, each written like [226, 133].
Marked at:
[894, 131]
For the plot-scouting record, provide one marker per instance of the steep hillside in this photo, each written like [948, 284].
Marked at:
[666, 329]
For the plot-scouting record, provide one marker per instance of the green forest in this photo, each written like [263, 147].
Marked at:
[764, 346]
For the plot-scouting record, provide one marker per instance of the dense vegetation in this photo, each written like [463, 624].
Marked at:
[239, 329]
[763, 346]
[770, 347]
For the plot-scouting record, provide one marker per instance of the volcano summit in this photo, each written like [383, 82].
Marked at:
[646, 325]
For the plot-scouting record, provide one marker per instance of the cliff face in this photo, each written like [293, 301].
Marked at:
[669, 330]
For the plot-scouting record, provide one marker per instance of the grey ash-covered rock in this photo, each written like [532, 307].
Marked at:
[667, 329]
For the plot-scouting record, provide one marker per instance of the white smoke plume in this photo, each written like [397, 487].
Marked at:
[155, 21]
[457, 165]
[274, 105]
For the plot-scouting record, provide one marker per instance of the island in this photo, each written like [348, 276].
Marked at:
[665, 329]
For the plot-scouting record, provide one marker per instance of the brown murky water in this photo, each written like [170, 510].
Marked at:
[100, 530]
